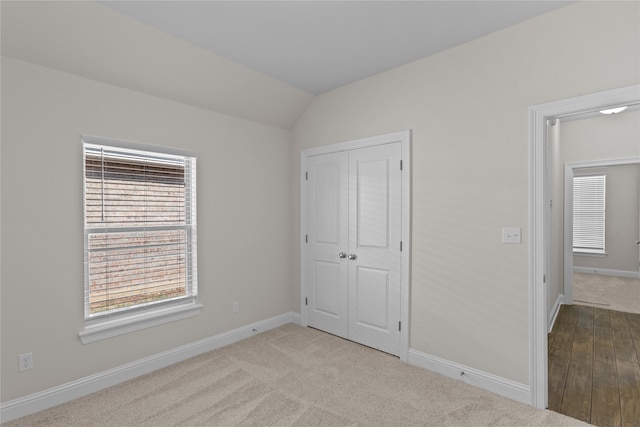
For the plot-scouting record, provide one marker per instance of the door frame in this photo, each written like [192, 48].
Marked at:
[404, 138]
[539, 222]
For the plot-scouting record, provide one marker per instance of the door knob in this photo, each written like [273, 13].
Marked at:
[352, 256]
[342, 255]
[637, 242]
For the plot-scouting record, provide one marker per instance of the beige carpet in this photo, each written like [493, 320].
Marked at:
[610, 292]
[294, 376]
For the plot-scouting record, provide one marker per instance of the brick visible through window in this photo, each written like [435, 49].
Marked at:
[139, 229]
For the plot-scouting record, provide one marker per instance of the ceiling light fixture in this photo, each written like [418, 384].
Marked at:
[613, 110]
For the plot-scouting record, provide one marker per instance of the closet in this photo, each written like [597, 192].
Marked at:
[353, 242]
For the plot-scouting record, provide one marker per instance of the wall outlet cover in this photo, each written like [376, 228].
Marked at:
[25, 361]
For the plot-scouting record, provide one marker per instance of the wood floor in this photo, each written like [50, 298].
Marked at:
[594, 366]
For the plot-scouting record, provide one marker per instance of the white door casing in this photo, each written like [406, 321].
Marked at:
[377, 205]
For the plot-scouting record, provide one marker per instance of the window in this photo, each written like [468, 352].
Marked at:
[140, 231]
[589, 213]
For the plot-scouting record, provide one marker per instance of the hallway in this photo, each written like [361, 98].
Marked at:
[594, 369]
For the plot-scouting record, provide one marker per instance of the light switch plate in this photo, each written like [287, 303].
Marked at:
[511, 235]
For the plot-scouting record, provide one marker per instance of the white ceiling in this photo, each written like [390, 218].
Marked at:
[320, 45]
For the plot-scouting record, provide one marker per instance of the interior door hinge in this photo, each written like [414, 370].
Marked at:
[400, 164]
[306, 176]
[399, 326]
[544, 278]
[306, 302]
[400, 245]
[306, 238]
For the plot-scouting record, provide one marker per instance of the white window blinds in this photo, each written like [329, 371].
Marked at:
[140, 228]
[589, 213]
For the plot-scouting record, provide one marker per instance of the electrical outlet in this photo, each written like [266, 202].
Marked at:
[25, 361]
[236, 306]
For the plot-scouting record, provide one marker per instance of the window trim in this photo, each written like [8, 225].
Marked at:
[100, 329]
[144, 316]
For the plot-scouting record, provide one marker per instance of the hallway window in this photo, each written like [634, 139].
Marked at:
[140, 229]
[589, 213]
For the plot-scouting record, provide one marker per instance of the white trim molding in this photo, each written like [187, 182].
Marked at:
[555, 310]
[607, 272]
[539, 221]
[136, 322]
[36, 402]
[493, 383]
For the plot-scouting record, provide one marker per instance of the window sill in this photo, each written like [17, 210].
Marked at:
[123, 325]
[590, 254]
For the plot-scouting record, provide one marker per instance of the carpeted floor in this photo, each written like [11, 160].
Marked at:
[294, 376]
[609, 292]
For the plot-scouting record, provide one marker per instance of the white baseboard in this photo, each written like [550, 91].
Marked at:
[493, 383]
[554, 311]
[607, 272]
[66, 392]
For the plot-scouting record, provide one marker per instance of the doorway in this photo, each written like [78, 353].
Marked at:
[539, 221]
[355, 246]
[591, 367]
[599, 272]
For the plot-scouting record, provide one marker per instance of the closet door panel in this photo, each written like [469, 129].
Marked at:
[372, 299]
[327, 272]
[374, 246]
[373, 203]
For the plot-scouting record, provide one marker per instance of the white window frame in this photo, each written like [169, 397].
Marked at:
[142, 316]
[589, 201]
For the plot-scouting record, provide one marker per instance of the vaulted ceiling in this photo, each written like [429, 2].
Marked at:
[320, 45]
[262, 61]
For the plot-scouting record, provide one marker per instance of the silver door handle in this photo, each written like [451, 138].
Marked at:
[342, 255]
[637, 242]
[352, 256]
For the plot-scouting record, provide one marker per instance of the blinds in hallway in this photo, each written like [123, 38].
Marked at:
[589, 206]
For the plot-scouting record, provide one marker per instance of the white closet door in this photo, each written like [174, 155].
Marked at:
[375, 261]
[327, 238]
[354, 206]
